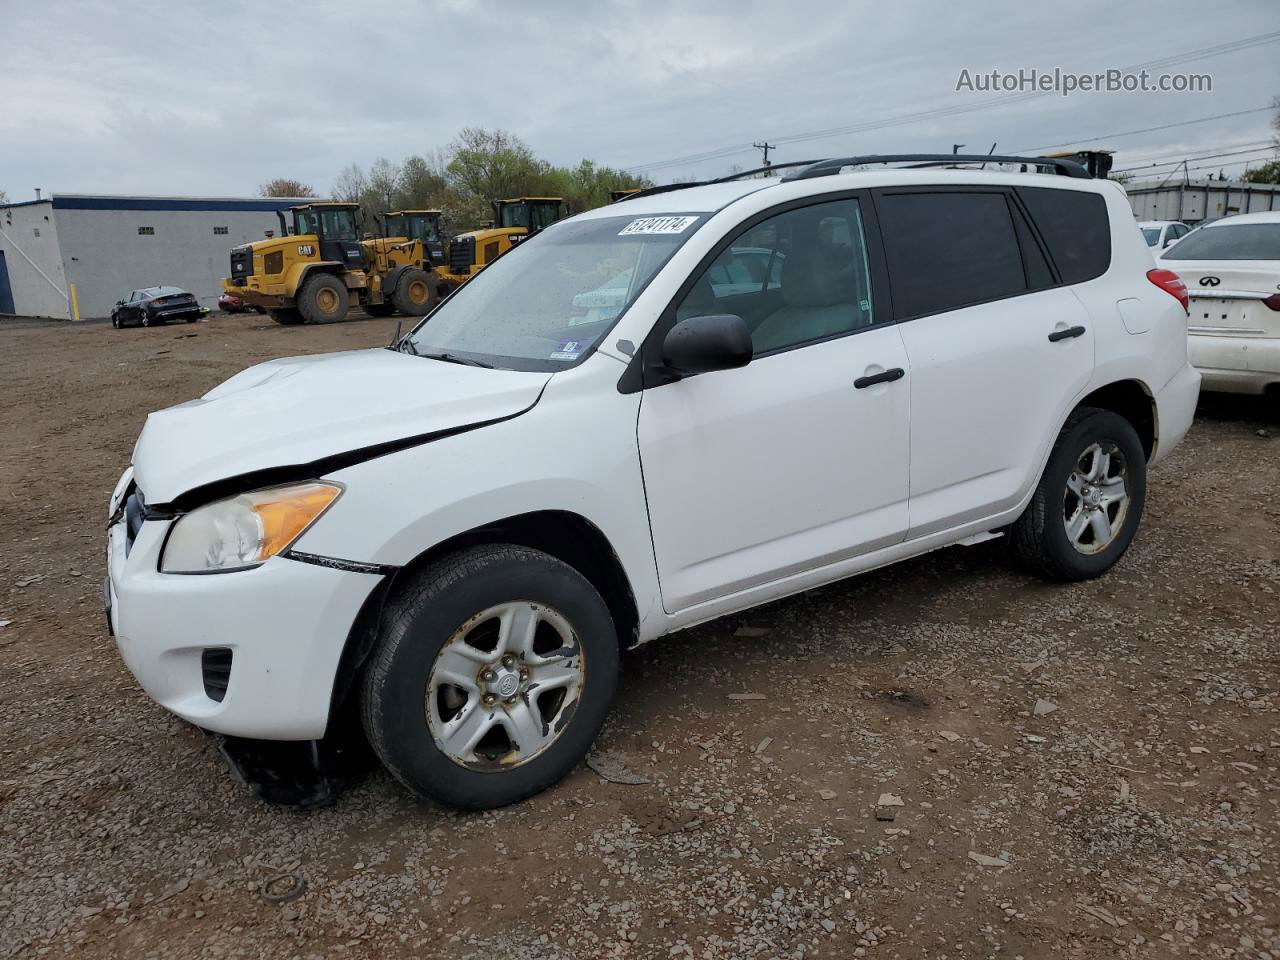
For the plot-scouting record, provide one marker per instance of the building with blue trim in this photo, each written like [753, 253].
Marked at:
[106, 246]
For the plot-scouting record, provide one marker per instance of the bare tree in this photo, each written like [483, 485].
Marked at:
[286, 187]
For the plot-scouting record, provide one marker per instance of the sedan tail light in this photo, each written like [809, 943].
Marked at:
[1272, 302]
[1172, 284]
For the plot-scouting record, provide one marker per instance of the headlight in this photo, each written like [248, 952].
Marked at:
[244, 531]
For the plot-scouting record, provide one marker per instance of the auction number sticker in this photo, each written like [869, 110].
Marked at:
[657, 225]
[568, 349]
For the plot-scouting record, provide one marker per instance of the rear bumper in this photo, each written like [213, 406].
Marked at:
[285, 624]
[1175, 409]
[1230, 364]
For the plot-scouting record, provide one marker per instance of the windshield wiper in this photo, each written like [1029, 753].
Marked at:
[454, 358]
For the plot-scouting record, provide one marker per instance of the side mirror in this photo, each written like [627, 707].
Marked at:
[704, 344]
[1170, 241]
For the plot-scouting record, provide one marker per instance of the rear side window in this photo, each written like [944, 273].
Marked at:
[949, 250]
[1075, 228]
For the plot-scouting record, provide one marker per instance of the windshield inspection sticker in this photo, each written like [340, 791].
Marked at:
[568, 349]
[657, 225]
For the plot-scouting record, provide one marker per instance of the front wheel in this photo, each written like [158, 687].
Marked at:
[323, 299]
[1089, 501]
[493, 673]
[415, 294]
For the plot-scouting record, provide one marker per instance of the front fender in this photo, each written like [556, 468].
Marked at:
[567, 454]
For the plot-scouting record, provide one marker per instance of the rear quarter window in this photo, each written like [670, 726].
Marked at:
[1075, 228]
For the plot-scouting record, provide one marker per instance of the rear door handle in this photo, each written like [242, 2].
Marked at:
[1066, 334]
[885, 376]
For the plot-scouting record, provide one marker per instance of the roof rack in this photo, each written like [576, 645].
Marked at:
[826, 168]
[668, 187]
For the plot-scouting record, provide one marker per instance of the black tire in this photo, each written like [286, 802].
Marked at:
[146, 319]
[415, 293]
[425, 616]
[286, 316]
[384, 309]
[115, 320]
[323, 299]
[1039, 537]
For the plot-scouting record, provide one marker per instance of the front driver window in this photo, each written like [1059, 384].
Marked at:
[795, 278]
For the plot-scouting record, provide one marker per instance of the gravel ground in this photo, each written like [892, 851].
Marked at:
[944, 759]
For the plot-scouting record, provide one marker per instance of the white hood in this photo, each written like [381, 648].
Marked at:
[302, 409]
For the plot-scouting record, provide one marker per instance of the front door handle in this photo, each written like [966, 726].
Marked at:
[1066, 334]
[885, 376]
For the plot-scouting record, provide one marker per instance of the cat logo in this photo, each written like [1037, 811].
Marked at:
[306, 250]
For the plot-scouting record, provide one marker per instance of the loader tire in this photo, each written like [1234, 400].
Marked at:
[415, 294]
[286, 316]
[323, 299]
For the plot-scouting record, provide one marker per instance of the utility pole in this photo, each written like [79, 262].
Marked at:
[765, 148]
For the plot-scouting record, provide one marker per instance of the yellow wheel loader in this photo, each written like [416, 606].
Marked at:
[513, 220]
[411, 238]
[318, 268]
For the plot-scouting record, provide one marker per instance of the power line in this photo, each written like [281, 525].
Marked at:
[1232, 46]
[1163, 154]
[1207, 156]
[1133, 133]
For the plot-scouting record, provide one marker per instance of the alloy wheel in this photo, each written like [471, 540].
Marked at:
[504, 686]
[1096, 500]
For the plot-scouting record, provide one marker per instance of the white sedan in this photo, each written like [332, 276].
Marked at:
[1162, 233]
[1231, 268]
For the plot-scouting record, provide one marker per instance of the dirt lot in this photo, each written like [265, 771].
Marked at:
[1085, 771]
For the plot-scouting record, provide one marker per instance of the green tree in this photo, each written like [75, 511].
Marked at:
[1267, 173]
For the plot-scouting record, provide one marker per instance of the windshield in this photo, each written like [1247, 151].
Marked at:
[547, 303]
[325, 223]
[1151, 235]
[1242, 241]
[513, 215]
[413, 227]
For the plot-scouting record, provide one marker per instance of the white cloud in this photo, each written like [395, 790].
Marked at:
[203, 99]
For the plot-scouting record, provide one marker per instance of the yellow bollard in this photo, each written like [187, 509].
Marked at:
[75, 304]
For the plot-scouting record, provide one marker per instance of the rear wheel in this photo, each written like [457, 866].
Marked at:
[286, 316]
[323, 299]
[493, 673]
[415, 294]
[1089, 501]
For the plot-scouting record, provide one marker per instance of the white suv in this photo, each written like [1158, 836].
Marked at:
[673, 408]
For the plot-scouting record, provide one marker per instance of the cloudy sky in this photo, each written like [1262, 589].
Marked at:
[169, 98]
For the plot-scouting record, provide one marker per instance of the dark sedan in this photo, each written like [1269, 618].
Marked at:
[152, 305]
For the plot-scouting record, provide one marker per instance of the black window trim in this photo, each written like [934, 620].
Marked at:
[1015, 207]
[646, 370]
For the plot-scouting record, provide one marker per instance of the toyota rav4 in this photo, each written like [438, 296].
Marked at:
[673, 408]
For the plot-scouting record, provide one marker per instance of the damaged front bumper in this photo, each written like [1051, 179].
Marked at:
[249, 653]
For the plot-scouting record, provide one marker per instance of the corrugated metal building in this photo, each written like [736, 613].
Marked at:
[1197, 200]
[106, 246]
